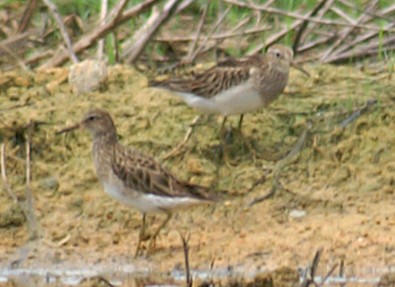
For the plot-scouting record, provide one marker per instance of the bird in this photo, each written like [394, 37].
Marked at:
[134, 178]
[234, 86]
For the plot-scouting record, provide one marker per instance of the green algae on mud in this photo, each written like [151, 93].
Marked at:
[342, 174]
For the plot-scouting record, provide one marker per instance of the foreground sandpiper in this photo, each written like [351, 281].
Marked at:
[136, 179]
[235, 86]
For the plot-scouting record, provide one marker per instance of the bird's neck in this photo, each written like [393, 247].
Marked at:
[103, 151]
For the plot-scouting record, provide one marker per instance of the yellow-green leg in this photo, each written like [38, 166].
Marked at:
[141, 236]
[153, 237]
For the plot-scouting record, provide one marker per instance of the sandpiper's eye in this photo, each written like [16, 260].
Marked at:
[91, 118]
[278, 54]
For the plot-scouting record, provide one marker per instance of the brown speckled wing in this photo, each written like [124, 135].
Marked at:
[224, 75]
[144, 174]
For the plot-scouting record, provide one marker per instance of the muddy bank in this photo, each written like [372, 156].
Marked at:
[337, 193]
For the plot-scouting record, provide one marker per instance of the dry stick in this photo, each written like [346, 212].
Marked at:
[54, 10]
[192, 47]
[27, 15]
[289, 158]
[311, 270]
[29, 202]
[103, 14]
[232, 33]
[301, 17]
[364, 37]
[319, 15]
[352, 6]
[177, 150]
[360, 39]
[367, 50]
[7, 186]
[220, 36]
[188, 277]
[316, 43]
[344, 15]
[303, 27]
[211, 32]
[347, 31]
[116, 17]
[145, 33]
[275, 37]
[358, 113]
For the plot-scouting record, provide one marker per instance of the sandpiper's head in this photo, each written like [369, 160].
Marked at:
[281, 54]
[97, 122]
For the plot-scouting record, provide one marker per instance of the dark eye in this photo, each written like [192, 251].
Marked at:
[91, 118]
[278, 54]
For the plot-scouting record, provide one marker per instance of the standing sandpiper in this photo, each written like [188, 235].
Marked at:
[235, 86]
[135, 179]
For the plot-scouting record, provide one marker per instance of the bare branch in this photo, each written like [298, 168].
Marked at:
[103, 14]
[55, 14]
[304, 18]
[145, 33]
[192, 47]
[115, 18]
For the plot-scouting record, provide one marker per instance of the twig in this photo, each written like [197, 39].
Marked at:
[115, 18]
[304, 18]
[358, 113]
[145, 33]
[348, 30]
[188, 277]
[275, 37]
[27, 15]
[312, 27]
[175, 151]
[213, 29]
[369, 49]
[315, 43]
[29, 202]
[7, 186]
[289, 158]
[311, 270]
[55, 13]
[219, 36]
[192, 47]
[103, 14]
[303, 27]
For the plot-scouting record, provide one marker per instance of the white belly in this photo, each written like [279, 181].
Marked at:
[148, 202]
[237, 100]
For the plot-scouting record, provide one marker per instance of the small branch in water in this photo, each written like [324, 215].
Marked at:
[188, 277]
[311, 271]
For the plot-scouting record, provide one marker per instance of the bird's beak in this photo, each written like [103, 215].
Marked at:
[300, 68]
[69, 129]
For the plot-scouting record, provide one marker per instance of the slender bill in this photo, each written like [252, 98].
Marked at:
[300, 68]
[69, 129]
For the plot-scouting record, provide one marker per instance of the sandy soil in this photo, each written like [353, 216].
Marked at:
[338, 192]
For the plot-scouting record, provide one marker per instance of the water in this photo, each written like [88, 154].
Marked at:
[119, 274]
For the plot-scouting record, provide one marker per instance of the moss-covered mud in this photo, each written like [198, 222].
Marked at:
[343, 178]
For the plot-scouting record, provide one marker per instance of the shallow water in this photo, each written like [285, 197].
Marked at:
[124, 274]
